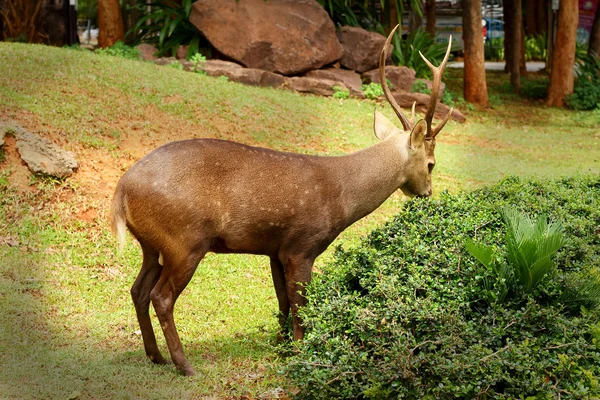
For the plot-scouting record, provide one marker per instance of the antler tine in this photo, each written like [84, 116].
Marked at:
[438, 72]
[411, 121]
[437, 129]
[386, 90]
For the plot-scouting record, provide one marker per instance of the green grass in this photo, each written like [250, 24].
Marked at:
[67, 325]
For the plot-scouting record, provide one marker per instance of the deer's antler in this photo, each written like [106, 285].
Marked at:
[437, 72]
[386, 90]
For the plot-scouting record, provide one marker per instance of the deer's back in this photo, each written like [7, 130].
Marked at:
[242, 198]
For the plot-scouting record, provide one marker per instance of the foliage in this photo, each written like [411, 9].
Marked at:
[535, 89]
[406, 52]
[494, 49]
[536, 47]
[420, 86]
[372, 90]
[21, 21]
[586, 93]
[372, 15]
[167, 26]
[198, 60]
[340, 93]
[175, 65]
[120, 49]
[529, 248]
[408, 314]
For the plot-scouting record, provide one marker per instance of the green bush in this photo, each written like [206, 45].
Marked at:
[535, 89]
[494, 49]
[340, 93]
[407, 315]
[421, 87]
[372, 90]
[586, 94]
[166, 25]
[536, 47]
[406, 52]
[122, 50]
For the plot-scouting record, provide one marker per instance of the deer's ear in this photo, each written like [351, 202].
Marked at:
[383, 127]
[417, 135]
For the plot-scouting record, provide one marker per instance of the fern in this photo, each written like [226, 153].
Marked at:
[530, 246]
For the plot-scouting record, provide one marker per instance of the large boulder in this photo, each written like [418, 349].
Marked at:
[350, 78]
[361, 48]
[288, 37]
[400, 77]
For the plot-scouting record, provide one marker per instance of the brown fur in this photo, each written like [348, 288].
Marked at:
[187, 198]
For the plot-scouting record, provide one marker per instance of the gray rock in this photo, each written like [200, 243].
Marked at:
[350, 78]
[322, 87]
[400, 77]
[41, 155]
[283, 36]
[361, 48]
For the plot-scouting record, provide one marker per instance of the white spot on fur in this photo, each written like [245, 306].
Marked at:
[161, 260]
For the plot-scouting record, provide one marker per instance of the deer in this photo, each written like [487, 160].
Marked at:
[191, 197]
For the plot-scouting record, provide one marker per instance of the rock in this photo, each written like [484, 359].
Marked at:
[165, 60]
[287, 37]
[41, 155]
[406, 100]
[361, 48]
[182, 52]
[350, 78]
[322, 87]
[148, 51]
[400, 77]
[219, 67]
[271, 79]
[247, 76]
[429, 85]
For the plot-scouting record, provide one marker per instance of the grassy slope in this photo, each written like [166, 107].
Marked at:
[67, 326]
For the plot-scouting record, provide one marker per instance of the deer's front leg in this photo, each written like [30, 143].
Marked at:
[278, 274]
[298, 270]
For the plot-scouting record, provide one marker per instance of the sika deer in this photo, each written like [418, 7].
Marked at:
[187, 198]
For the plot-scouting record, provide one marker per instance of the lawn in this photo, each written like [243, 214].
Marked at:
[67, 325]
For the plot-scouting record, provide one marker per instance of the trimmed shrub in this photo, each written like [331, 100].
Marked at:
[407, 314]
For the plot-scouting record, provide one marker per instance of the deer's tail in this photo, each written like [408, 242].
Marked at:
[118, 217]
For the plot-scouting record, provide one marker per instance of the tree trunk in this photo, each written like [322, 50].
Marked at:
[110, 23]
[508, 34]
[516, 48]
[536, 17]
[430, 15]
[561, 76]
[594, 48]
[131, 16]
[475, 90]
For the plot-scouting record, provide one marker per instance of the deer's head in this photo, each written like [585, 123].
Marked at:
[416, 141]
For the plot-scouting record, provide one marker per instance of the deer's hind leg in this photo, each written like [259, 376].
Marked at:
[178, 270]
[140, 294]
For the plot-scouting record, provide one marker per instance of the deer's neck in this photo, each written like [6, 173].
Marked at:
[370, 176]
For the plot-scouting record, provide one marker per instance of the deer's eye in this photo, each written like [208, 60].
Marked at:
[430, 167]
